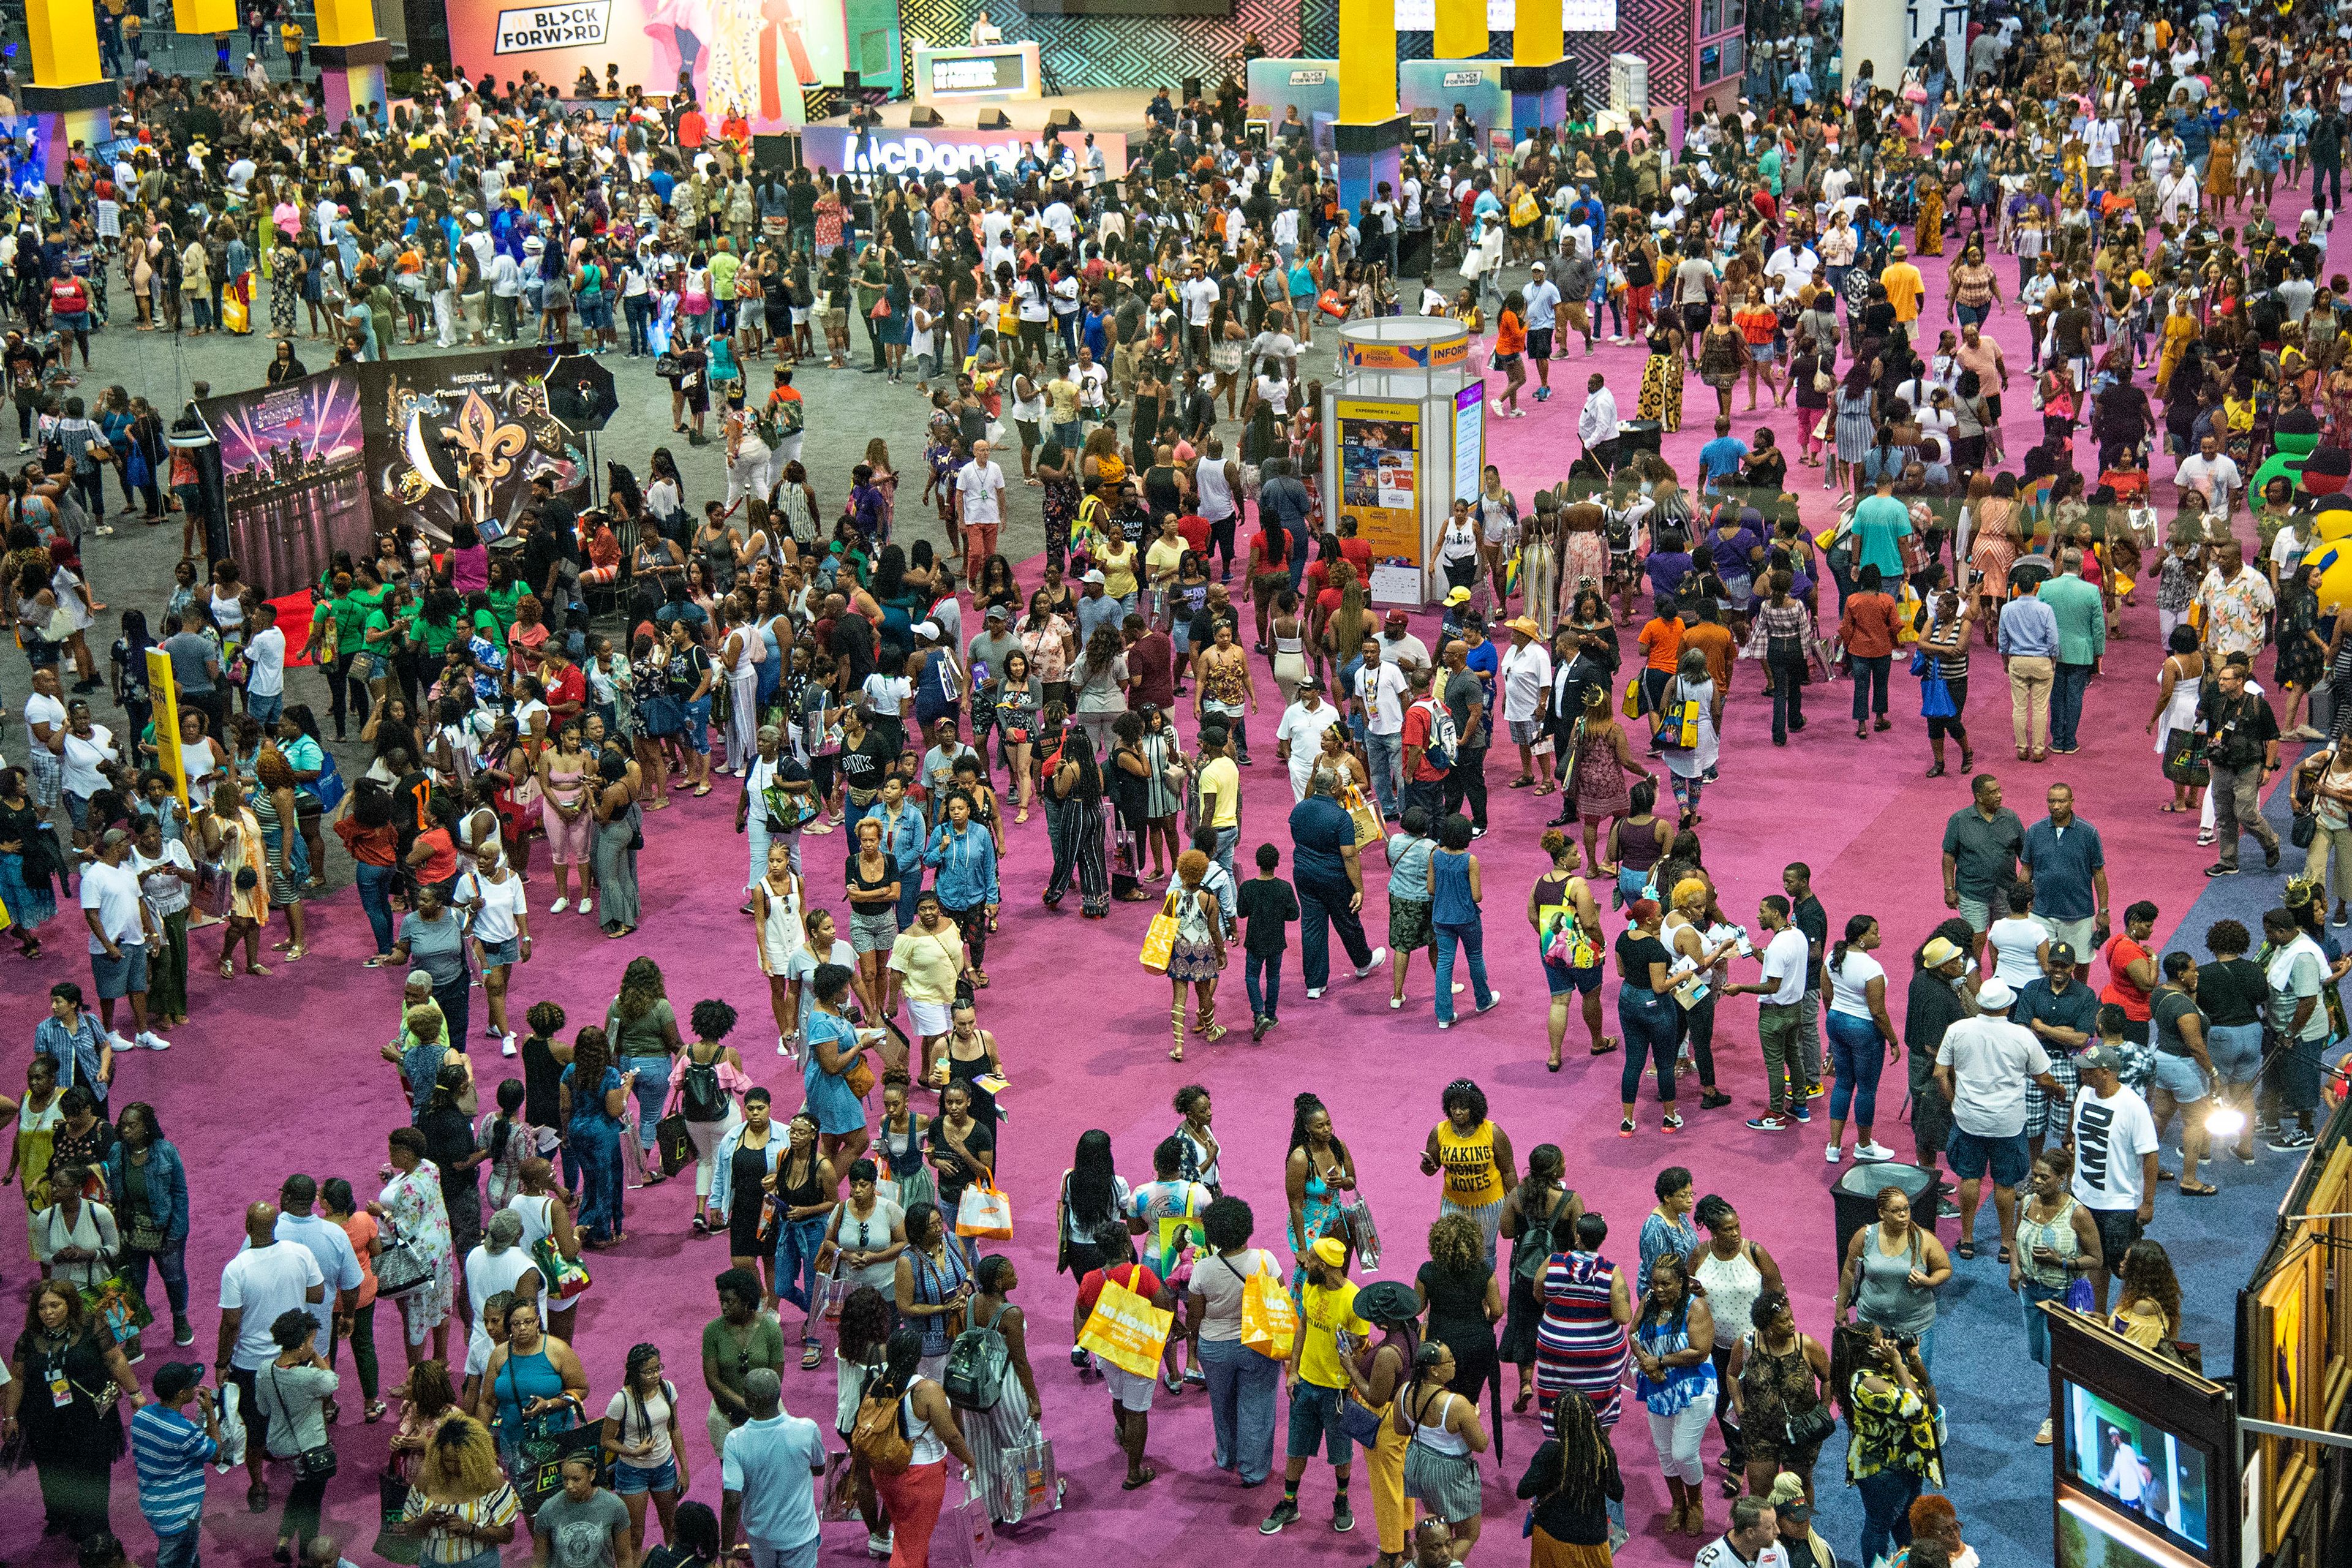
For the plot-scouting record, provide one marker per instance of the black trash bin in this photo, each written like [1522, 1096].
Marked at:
[1855, 1197]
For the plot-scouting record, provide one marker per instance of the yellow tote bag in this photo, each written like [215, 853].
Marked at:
[1160, 940]
[1269, 1321]
[1126, 1330]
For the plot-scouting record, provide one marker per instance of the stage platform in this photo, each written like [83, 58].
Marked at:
[1097, 109]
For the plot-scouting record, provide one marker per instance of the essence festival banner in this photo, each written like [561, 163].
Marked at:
[1502, 15]
[1380, 487]
[746, 55]
[948, 151]
[294, 477]
[463, 435]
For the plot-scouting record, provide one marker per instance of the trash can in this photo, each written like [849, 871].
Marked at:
[1855, 1195]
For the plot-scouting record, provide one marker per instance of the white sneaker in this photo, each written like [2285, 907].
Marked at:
[506, 1044]
[557, 907]
[1378, 953]
[878, 1546]
[1493, 1000]
[1873, 1151]
[114, 1039]
[492, 1032]
[1831, 1156]
[150, 1040]
[1395, 1002]
[1313, 992]
[587, 906]
[784, 1046]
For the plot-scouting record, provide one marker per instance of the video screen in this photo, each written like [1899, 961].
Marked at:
[2088, 1538]
[1129, 7]
[2139, 1468]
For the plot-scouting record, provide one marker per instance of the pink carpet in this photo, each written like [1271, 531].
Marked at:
[281, 1074]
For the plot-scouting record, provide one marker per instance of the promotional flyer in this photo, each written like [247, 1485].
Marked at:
[1380, 477]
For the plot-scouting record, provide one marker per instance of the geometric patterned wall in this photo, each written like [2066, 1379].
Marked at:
[1142, 51]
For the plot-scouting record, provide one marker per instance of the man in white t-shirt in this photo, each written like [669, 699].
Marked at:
[264, 654]
[122, 932]
[1380, 685]
[1299, 739]
[1779, 1019]
[267, 1278]
[2213, 474]
[1199, 296]
[979, 503]
[2115, 1143]
[1983, 1066]
[1525, 675]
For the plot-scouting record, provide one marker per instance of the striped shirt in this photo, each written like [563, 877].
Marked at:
[488, 1510]
[169, 1452]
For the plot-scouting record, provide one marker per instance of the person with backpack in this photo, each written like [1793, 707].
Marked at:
[707, 1075]
[1431, 742]
[990, 1382]
[1170, 1209]
[1540, 1220]
[905, 1431]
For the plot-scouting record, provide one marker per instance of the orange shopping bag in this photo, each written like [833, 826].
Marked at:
[985, 1213]
[1269, 1321]
[1126, 1330]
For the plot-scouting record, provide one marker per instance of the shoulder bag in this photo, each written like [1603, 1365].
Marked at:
[316, 1463]
[400, 1267]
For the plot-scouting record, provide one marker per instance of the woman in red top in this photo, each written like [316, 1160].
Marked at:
[2131, 971]
[367, 831]
[1510, 348]
[1760, 324]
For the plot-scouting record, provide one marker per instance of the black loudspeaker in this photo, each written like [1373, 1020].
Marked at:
[995, 120]
[1063, 119]
[779, 153]
[925, 118]
[1192, 88]
[1639, 436]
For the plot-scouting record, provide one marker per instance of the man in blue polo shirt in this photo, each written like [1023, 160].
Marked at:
[2069, 869]
[169, 1452]
[768, 1473]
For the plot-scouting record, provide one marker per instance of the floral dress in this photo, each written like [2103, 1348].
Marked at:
[2300, 663]
[413, 1206]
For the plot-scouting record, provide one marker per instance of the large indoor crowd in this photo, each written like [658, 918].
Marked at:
[1145, 346]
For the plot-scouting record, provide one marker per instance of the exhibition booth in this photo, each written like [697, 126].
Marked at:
[1407, 423]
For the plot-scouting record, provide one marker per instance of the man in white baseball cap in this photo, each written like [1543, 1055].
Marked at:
[1983, 1067]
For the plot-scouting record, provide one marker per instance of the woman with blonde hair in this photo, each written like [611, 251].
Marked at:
[459, 1504]
[232, 839]
[1199, 955]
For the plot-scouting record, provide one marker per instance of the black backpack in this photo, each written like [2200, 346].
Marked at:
[1531, 1255]
[703, 1099]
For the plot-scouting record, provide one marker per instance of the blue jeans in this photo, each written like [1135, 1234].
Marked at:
[638, 310]
[376, 883]
[652, 1091]
[1870, 684]
[1226, 839]
[1859, 1056]
[2066, 691]
[796, 1246]
[172, 1263]
[180, 1550]
[1471, 938]
[264, 711]
[1262, 972]
[1886, 1499]
[1385, 751]
[1648, 1020]
[2030, 1298]
[1242, 1389]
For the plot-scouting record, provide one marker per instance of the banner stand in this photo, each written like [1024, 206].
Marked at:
[1404, 435]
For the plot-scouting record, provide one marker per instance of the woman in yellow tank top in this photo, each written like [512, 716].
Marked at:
[1476, 1157]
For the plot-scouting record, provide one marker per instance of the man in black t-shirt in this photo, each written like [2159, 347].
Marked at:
[1218, 606]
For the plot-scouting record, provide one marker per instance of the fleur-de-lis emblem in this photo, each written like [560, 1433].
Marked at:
[478, 433]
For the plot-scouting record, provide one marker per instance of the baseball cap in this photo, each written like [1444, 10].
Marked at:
[995, 613]
[927, 629]
[2061, 952]
[1457, 596]
[1398, 619]
[175, 1378]
[1796, 1511]
[1993, 995]
[2106, 1058]
[1539, 267]
[1094, 577]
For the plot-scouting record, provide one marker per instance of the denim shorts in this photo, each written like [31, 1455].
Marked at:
[698, 724]
[2181, 1077]
[1314, 1415]
[496, 954]
[124, 976]
[1561, 979]
[628, 1480]
[2236, 1050]
[2008, 1157]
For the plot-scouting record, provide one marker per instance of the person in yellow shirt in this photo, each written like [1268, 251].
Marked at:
[1475, 1156]
[290, 34]
[1220, 793]
[1905, 290]
[1318, 1383]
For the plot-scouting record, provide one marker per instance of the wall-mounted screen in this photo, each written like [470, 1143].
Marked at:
[2138, 1467]
[2090, 1538]
[1502, 15]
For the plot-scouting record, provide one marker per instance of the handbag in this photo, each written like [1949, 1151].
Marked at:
[400, 1267]
[1359, 1421]
[1811, 1429]
[1159, 938]
[317, 1464]
[2305, 828]
[1025, 1481]
[676, 1141]
[1936, 698]
[564, 1277]
[985, 1213]
[392, 1544]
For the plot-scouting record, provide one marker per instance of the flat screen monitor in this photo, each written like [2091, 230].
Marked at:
[2140, 1469]
[2090, 1537]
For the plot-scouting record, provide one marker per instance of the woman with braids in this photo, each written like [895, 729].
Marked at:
[1319, 1178]
[640, 1438]
[915, 1494]
[460, 1505]
[1441, 1467]
[1573, 1488]
[1893, 1452]
[1540, 1218]
[1071, 782]
[1010, 1424]
[595, 1097]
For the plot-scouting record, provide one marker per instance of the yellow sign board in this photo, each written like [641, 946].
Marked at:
[1379, 478]
[163, 692]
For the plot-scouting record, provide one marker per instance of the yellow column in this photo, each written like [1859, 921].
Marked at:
[1369, 132]
[1461, 29]
[69, 91]
[1536, 39]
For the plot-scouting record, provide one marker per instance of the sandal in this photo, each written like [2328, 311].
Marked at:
[1177, 1054]
[2199, 1190]
[811, 1355]
[1145, 1479]
[979, 979]
[1968, 1249]
[1608, 1044]
[1526, 1397]
[2002, 1256]
[257, 969]
[374, 1412]
[1214, 1033]
[227, 970]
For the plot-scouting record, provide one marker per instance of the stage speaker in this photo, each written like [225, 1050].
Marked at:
[924, 118]
[779, 153]
[1063, 119]
[995, 120]
[1192, 88]
[1638, 436]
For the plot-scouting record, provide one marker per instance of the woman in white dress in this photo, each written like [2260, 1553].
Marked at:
[739, 656]
[778, 936]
